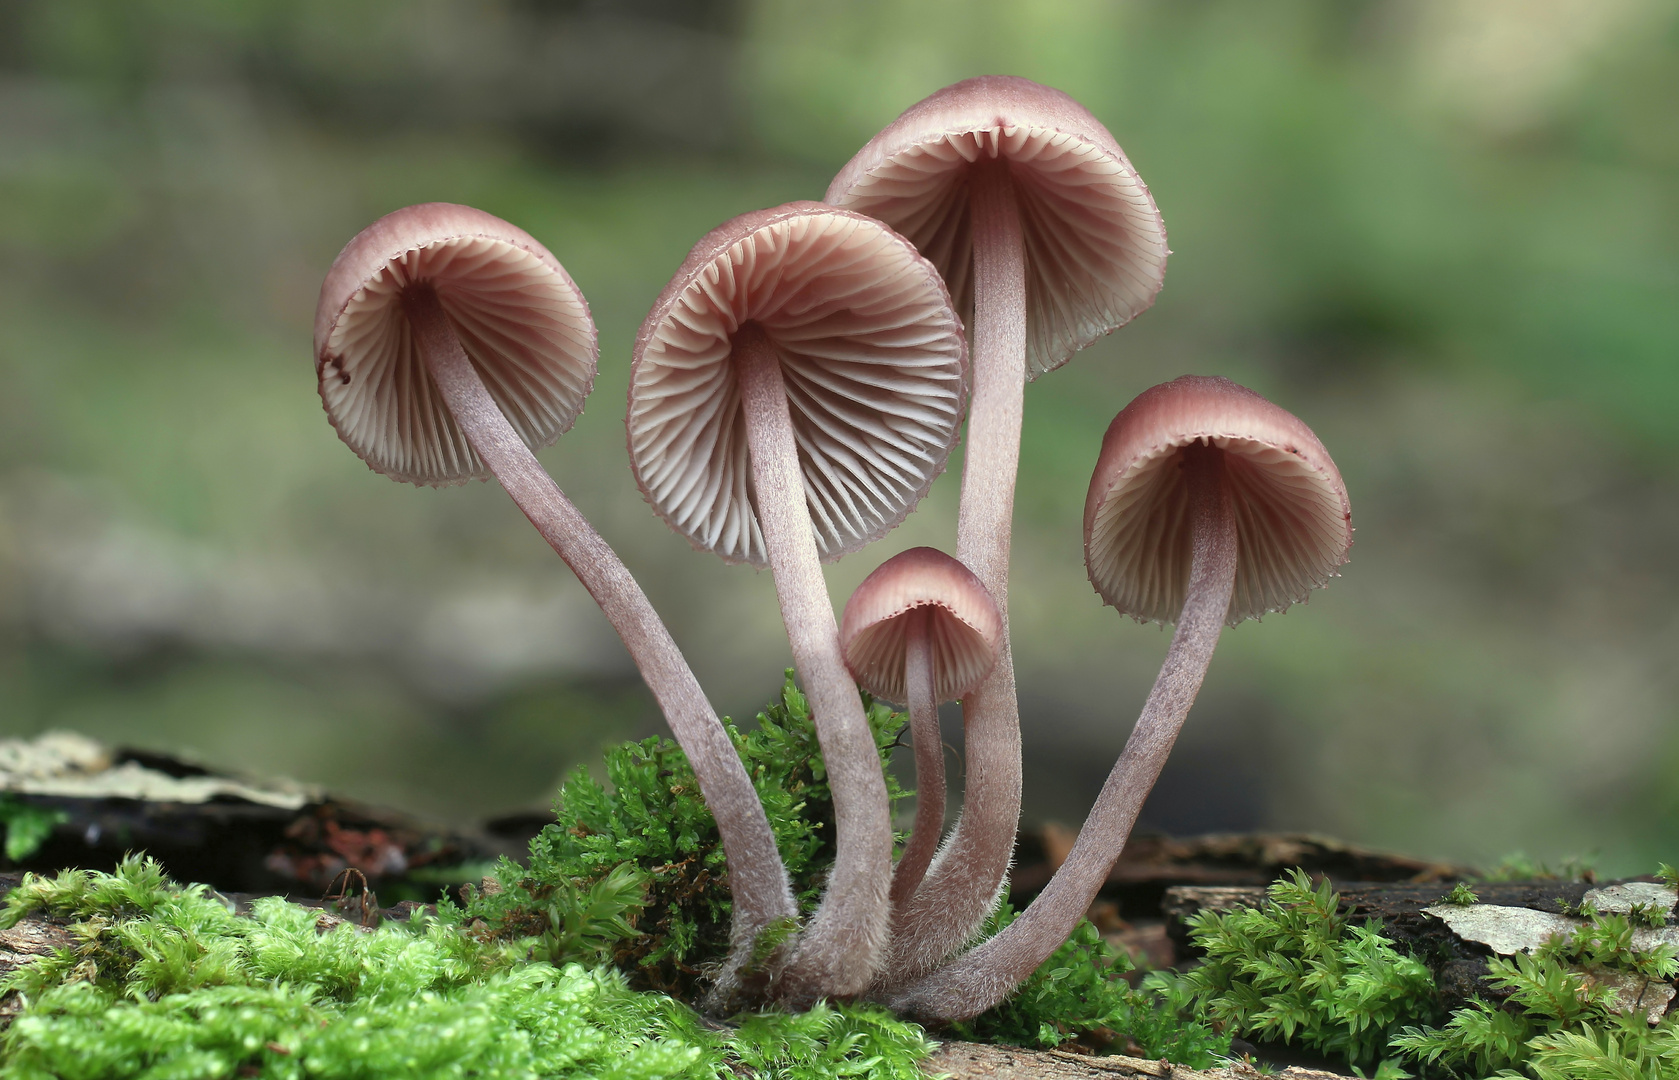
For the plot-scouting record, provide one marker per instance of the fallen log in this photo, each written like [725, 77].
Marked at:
[231, 832]
[1457, 940]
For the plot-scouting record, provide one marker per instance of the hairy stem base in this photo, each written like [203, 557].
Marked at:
[842, 946]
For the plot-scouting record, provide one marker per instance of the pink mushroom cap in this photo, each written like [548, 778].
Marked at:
[1095, 244]
[872, 354]
[518, 315]
[965, 632]
[1293, 521]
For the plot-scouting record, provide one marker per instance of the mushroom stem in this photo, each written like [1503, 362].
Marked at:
[986, 975]
[991, 455]
[965, 879]
[929, 758]
[840, 949]
[757, 879]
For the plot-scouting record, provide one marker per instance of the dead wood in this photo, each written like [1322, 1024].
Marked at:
[1457, 941]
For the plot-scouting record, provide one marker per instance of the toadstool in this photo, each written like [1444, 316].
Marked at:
[1032, 212]
[795, 390]
[448, 344]
[921, 630]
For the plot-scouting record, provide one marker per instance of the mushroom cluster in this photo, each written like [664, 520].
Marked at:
[794, 392]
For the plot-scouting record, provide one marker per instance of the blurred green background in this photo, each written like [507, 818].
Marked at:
[1445, 233]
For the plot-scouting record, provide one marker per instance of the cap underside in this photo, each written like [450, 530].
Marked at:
[872, 358]
[524, 327]
[1291, 532]
[961, 656]
[1095, 246]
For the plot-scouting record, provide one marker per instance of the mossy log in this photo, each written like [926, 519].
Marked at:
[38, 935]
[1457, 940]
[28, 941]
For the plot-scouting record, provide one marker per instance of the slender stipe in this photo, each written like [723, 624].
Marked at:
[923, 704]
[838, 951]
[757, 880]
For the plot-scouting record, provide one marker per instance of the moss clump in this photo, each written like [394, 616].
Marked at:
[1294, 970]
[1558, 1018]
[1081, 993]
[166, 981]
[632, 872]
[1461, 895]
[26, 826]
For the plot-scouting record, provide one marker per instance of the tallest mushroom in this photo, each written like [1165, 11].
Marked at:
[1048, 237]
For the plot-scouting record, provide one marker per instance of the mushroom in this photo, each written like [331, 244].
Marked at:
[1209, 505]
[448, 343]
[921, 630]
[1032, 213]
[795, 391]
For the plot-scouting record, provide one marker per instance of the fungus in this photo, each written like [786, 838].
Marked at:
[1046, 234]
[448, 343]
[1209, 505]
[921, 630]
[795, 390]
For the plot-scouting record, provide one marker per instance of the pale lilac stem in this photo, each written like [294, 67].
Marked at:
[757, 880]
[841, 947]
[988, 974]
[929, 758]
[966, 877]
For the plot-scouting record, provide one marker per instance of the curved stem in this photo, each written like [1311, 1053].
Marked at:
[757, 880]
[986, 975]
[929, 758]
[841, 947]
[967, 877]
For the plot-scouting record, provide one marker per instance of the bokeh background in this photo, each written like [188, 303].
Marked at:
[1443, 232]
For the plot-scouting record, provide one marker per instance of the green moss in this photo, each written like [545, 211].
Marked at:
[1294, 970]
[632, 872]
[166, 981]
[1461, 895]
[26, 826]
[1081, 992]
[1557, 1014]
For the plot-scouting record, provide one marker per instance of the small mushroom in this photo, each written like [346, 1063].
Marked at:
[1209, 505]
[921, 630]
[795, 391]
[449, 343]
[1033, 214]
